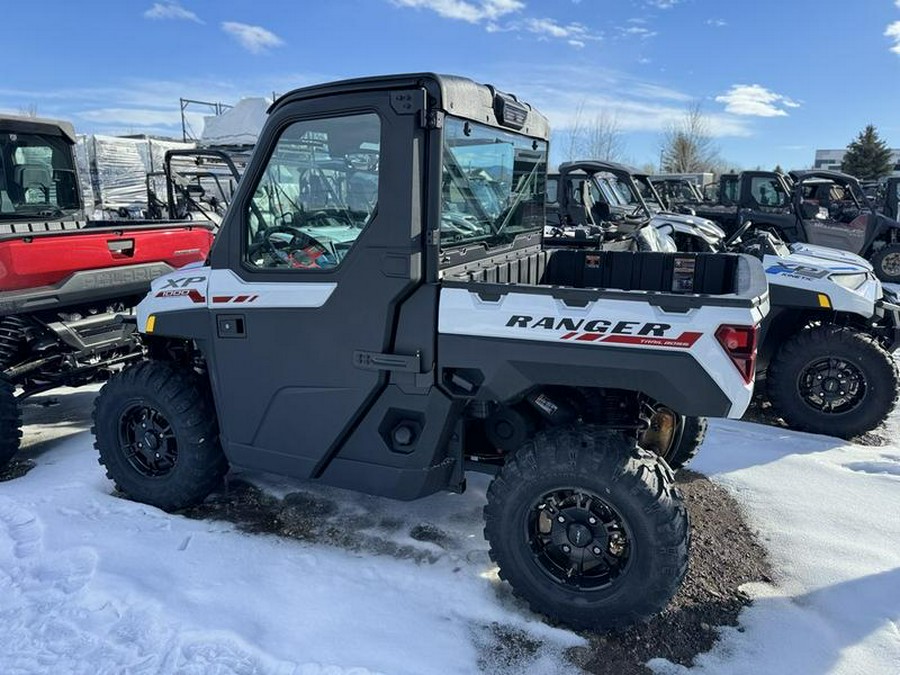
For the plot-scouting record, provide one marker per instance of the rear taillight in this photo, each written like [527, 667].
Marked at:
[739, 342]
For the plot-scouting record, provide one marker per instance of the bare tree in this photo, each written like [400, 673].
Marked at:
[599, 137]
[687, 146]
[576, 134]
[604, 138]
[30, 110]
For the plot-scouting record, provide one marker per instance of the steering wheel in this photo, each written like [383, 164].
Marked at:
[737, 234]
[285, 251]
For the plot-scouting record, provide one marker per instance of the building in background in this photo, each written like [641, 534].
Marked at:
[832, 159]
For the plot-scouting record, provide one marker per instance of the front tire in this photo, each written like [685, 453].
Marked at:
[886, 262]
[588, 528]
[10, 423]
[834, 381]
[156, 431]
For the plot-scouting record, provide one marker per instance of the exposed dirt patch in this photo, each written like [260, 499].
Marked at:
[308, 516]
[16, 469]
[724, 555]
[504, 650]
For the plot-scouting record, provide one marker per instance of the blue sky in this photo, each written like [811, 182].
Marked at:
[776, 78]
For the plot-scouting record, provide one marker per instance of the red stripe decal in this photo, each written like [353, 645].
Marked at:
[569, 335]
[222, 298]
[241, 298]
[196, 296]
[589, 337]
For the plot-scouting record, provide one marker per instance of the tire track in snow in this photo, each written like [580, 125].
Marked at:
[54, 623]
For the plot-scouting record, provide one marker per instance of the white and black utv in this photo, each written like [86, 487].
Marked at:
[824, 350]
[379, 313]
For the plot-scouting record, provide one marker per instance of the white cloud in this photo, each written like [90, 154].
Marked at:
[638, 32]
[255, 39]
[170, 10]
[718, 23]
[573, 32]
[663, 4]
[755, 101]
[472, 11]
[893, 32]
[497, 17]
[638, 105]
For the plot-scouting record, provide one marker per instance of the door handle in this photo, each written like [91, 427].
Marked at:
[231, 326]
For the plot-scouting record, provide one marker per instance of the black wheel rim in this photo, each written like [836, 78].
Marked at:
[578, 540]
[147, 441]
[832, 385]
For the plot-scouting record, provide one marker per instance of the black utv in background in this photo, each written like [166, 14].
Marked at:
[379, 313]
[824, 208]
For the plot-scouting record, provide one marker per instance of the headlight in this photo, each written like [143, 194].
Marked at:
[851, 281]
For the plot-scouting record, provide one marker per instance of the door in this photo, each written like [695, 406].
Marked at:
[323, 245]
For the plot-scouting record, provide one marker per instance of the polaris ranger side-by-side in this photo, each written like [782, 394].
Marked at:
[378, 313]
[824, 349]
[64, 280]
[824, 208]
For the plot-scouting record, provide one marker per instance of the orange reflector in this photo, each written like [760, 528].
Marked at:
[151, 324]
[824, 301]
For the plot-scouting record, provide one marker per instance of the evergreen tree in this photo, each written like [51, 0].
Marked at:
[778, 169]
[868, 157]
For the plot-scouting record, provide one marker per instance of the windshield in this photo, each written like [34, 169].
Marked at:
[37, 176]
[648, 193]
[492, 186]
[620, 190]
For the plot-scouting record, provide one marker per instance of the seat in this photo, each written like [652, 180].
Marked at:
[29, 177]
[600, 213]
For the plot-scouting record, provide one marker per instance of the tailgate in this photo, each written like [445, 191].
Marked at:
[34, 261]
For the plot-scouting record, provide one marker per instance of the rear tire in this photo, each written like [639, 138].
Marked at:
[886, 262]
[809, 372]
[156, 431]
[10, 423]
[693, 433]
[634, 554]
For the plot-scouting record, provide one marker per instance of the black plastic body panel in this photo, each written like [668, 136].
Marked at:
[84, 287]
[511, 368]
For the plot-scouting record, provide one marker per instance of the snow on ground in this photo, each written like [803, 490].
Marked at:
[829, 514]
[90, 583]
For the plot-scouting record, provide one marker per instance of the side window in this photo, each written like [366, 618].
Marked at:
[317, 194]
[552, 190]
[767, 192]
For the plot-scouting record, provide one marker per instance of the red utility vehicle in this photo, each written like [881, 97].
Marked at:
[63, 278]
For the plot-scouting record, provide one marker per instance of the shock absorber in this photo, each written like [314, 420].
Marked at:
[12, 335]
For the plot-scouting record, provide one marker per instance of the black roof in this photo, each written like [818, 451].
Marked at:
[37, 125]
[596, 165]
[454, 95]
[822, 173]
